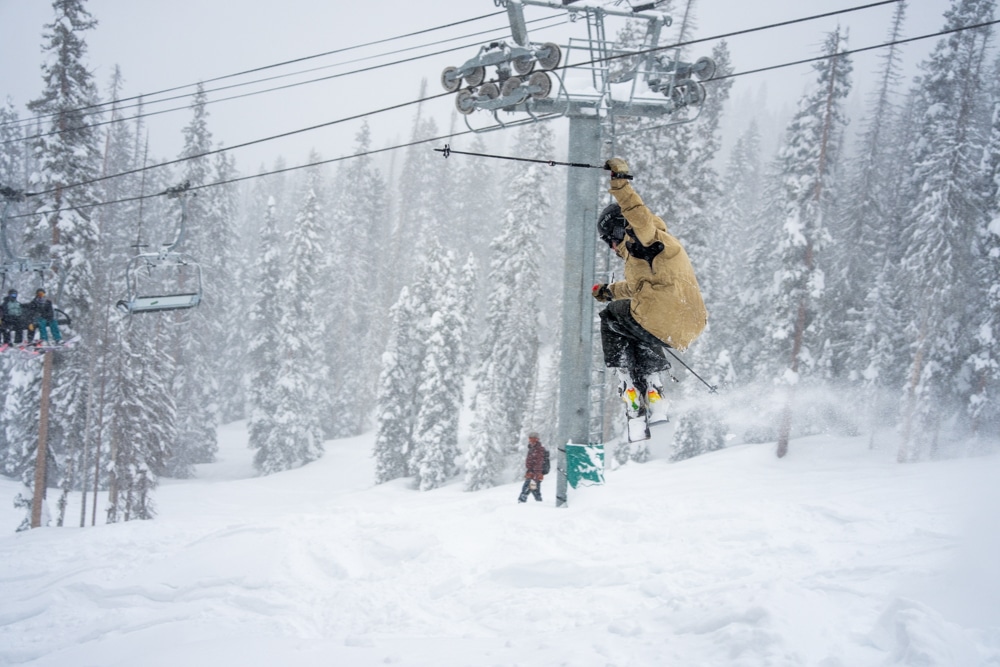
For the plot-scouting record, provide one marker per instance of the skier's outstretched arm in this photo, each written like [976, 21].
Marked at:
[642, 220]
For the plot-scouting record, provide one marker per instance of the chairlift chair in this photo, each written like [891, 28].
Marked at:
[163, 281]
[160, 282]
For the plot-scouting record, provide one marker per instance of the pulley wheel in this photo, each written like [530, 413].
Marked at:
[476, 76]
[542, 81]
[704, 69]
[509, 86]
[451, 80]
[489, 91]
[551, 59]
[465, 102]
[524, 65]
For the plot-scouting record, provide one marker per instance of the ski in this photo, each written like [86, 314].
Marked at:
[37, 348]
[636, 413]
[656, 406]
[638, 428]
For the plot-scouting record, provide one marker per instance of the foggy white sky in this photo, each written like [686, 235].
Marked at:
[161, 45]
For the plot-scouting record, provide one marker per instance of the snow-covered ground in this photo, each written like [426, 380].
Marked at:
[835, 557]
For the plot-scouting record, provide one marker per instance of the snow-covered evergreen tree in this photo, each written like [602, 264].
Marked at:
[699, 430]
[944, 221]
[984, 364]
[195, 385]
[12, 148]
[865, 288]
[435, 435]
[510, 351]
[226, 277]
[418, 216]
[295, 437]
[353, 313]
[67, 160]
[395, 407]
[265, 337]
[808, 166]
[734, 339]
[142, 421]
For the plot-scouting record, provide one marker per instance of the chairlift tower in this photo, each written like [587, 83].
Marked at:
[593, 82]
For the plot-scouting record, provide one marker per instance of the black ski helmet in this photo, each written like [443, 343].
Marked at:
[611, 224]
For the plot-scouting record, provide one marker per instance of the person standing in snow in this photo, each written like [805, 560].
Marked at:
[535, 469]
[657, 304]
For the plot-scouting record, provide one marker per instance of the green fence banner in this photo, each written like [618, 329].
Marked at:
[584, 463]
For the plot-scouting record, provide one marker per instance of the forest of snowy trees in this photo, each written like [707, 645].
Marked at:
[852, 278]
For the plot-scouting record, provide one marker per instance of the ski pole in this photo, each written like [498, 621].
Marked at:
[447, 150]
[712, 389]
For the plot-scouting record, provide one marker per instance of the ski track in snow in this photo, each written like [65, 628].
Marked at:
[834, 557]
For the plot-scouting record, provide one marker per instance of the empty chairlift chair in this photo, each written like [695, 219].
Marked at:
[165, 280]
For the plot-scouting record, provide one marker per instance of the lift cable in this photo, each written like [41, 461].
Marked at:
[737, 33]
[273, 89]
[432, 97]
[274, 65]
[652, 50]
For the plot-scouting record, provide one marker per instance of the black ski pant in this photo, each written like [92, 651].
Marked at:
[627, 345]
[526, 489]
[13, 325]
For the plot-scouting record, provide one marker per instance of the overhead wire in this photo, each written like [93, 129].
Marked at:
[364, 70]
[454, 134]
[271, 66]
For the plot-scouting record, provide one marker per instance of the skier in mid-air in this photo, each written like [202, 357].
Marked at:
[657, 304]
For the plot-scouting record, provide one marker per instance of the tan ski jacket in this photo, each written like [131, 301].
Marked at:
[659, 277]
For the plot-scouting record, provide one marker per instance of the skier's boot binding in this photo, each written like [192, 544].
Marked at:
[633, 394]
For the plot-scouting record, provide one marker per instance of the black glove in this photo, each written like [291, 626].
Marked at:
[601, 292]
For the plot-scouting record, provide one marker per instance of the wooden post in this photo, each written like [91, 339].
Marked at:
[43, 435]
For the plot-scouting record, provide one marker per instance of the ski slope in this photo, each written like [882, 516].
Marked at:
[834, 557]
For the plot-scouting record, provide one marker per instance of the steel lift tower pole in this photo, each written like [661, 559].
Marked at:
[578, 308]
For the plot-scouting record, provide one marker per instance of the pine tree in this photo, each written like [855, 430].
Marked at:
[696, 223]
[143, 425]
[226, 276]
[733, 339]
[420, 194]
[295, 437]
[395, 410]
[195, 384]
[865, 291]
[116, 224]
[435, 436]
[474, 202]
[440, 390]
[808, 163]
[510, 350]
[944, 220]
[12, 148]
[699, 430]
[265, 337]
[984, 397]
[67, 160]
[358, 230]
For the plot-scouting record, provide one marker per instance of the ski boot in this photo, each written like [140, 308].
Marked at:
[631, 394]
[636, 407]
[656, 404]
